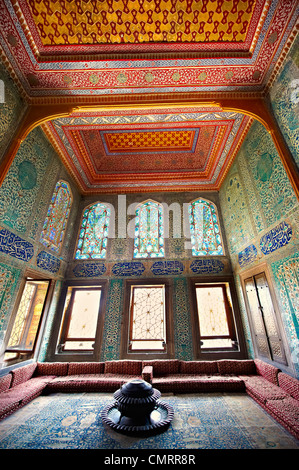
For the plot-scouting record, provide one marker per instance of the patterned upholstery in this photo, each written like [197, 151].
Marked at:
[198, 367]
[286, 411]
[7, 406]
[86, 368]
[85, 383]
[289, 384]
[22, 374]
[275, 391]
[267, 370]
[5, 382]
[26, 391]
[235, 367]
[180, 383]
[125, 367]
[163, 366]
[262, 390]
[51, 368]
[147, 374]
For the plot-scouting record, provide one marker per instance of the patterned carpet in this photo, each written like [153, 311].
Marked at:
[201, 421]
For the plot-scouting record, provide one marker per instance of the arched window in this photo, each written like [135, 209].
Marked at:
[57, 216]
[93, 233]
[204, 227]
[149, 241]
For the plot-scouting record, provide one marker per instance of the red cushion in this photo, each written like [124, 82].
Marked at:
[52, 368]
[236, 367]
[287, 410]
[262, 389]
[7, 406]
[267, 370]
[126, 367]
[163, 366]
[198, 367]
[289, 384]
[5, 382]
[77, 368]
[22, 374]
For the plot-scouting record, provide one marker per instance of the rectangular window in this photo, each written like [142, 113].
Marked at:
[27, 322]
[80, 318]
[215, 318]
[147, 329]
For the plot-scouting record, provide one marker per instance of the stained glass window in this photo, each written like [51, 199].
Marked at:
[205, 229]
[57, 216]
[93, 233]
[149, 241]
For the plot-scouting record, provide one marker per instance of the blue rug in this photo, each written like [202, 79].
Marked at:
[201, 421]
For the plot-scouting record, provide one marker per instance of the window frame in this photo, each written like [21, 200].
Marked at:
[80, 227]
[55, 351]
[27, 354]
[67, 317]
[169, 328]
[146, 286]
[190, 215]
[238, 349]
[249, 273]
[160, 209]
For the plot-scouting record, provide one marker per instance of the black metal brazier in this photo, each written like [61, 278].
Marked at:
[137, 409]
[135, 402]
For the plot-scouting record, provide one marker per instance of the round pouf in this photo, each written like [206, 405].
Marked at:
[137, 409]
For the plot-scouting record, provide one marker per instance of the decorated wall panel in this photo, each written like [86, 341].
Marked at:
[119, 265]
[286, 274]
[284, 95]
[25, 196]
[12, 108]
[261, 215]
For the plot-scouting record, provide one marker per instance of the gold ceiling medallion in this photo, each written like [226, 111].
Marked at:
[121, 78]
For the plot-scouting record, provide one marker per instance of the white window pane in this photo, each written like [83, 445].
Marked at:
[211, 311]
[84, 315]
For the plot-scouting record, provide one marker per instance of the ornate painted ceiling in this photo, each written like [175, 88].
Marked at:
[182, 149]
[81, 51]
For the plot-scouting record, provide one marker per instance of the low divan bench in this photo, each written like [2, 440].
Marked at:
[274, 390]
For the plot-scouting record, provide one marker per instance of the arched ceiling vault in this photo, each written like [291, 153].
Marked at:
[146, 95]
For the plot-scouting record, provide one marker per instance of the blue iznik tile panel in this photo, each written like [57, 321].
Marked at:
[20, 190]
[286, 274]
[15, 246]
[113, 319]
[274, 192]
[261, 214]
[247, 256]
[127, 269]
[206, 266]
[167, 268]
[89, 269]
[256, 193]
[48, 262]
[284, 95]
[12, 109]
[182, 320]
[276, 238]
[234, 203]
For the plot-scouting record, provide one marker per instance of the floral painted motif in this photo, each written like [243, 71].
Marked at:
[56, 220]
[93, 234]
[205, 229]
[149, 241]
